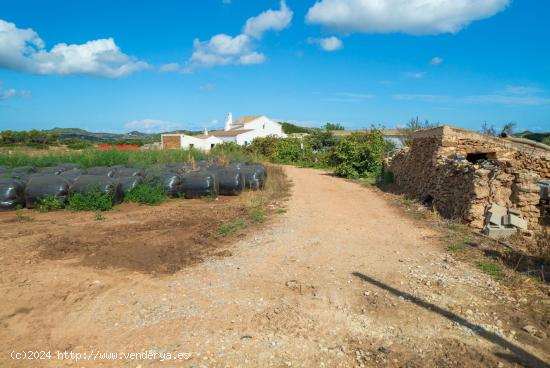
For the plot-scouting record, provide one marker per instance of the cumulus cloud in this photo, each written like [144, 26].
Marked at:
[23, 50]
[152, 125]
[269, 20]
[11, 92]
[223, 49]
[170, 67]
[415, 75]
[436, 61]
[328, 43]
[417, 17]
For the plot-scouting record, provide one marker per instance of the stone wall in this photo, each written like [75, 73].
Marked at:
[461, 173]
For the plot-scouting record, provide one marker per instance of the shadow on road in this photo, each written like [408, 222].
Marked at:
[518, 354]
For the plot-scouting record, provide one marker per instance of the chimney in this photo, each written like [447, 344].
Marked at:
[228, 122]
[205, 131]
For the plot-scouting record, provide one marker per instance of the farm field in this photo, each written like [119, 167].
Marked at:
[341, 277]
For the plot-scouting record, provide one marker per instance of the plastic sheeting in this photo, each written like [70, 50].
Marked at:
[200, 184]
[254, 176]
[55, 170]
[125, 172]
[173, 184]
[102, 171]
[41, 186]
[86, 183]
[72, 174]
[231, 181]
[12, 193]
[129, 183]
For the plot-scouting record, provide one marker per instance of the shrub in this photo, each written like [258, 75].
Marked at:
[490, 268]
[146, 194]
[92, 200]
[49, 203]
[229, 228]
[257, 215]
[263, 146]
[359, 155]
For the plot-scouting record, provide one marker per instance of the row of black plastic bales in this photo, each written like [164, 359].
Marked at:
[25, 186]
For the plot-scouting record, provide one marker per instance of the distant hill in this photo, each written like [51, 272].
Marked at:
[77, 133]
[539, 137]
[289, 128]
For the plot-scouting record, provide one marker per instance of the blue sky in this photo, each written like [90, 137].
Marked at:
[124, 65]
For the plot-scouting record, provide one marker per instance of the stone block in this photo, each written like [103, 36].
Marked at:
[498, 210]
[494, 218]
[513, 220]
[514, 211]
[499, 232]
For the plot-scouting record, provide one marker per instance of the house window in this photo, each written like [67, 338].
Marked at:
[246, 143]
[263, 126]
[191, 145]
[212, 145]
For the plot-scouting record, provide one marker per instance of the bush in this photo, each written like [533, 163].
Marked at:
[229, 228]
[146, 194]
[359, 155]
[263, 146]
[93, 200]
[49, 203]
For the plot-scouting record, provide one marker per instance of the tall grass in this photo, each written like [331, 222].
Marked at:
[89, 158]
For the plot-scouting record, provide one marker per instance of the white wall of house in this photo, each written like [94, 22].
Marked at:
[266, 126]
[205, 144]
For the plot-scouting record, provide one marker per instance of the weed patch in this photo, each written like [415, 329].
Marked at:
[146, 194]
[49, 203]
[229, 228]
[257, 215]
[490, 268]
[92, 200]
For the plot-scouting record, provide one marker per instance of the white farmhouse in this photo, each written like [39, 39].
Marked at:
[241, 132]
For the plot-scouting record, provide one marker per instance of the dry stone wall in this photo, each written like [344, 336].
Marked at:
[461, 174]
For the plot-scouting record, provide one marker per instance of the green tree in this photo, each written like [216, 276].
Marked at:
[333, 126]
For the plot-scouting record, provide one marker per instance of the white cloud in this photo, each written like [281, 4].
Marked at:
[328, 43]
[11, 92]
[170, 67]
[417, 17]
[523, 90]
[152, 125]
[24, 50]
[269, 20]
[208, 87]
[436, 61]
[415, 75]
[223, 49]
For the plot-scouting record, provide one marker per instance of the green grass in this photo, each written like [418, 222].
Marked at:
[280, 211]
[490, 268]
[257, 215]
[99, 216]
[92, 157]
[146, 194]
[229, 228]
[456, 247]
[49, 203]
[93, 200]
[20, 214]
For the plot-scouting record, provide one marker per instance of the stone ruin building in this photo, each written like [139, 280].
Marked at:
[490, 183]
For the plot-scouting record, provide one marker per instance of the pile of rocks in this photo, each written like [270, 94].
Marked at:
[502, 222]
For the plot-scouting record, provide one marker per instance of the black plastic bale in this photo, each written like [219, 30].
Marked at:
[173, 184]
[179, 167]
[42, 186]
[107, 185]
[102, 171]
[129, 183]
[55, 170]
[72, 174]
[231, 181]
[12, 193]
[125, 172]
[200, 184]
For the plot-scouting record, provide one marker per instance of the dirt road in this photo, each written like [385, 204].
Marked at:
[343, 278]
